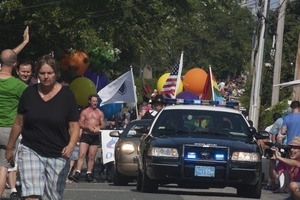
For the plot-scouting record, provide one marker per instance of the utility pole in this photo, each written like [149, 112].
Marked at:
[253, 66]
[253, 63]
[278, 52]
[255, 106]
[296, 89]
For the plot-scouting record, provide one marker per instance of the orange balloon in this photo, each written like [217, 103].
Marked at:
[79, 61]
[194, 80]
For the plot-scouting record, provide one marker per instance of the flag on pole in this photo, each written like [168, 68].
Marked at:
[211, 89]
[170, 87]
[121, 90]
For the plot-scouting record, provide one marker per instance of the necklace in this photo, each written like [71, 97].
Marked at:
[48, 95]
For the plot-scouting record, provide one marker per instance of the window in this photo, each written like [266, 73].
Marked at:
[199, 121]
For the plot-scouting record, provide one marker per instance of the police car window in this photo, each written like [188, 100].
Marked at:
[197, 121]
[137, 131]
[131, 133]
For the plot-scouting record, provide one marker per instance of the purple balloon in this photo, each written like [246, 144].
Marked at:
[99, 81]
[187, 95]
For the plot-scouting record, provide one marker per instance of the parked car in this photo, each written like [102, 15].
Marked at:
[200, 146]
[125, 166]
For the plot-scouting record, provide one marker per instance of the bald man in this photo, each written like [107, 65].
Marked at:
[11, 89]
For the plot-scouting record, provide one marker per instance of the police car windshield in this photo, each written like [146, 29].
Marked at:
[200, 122]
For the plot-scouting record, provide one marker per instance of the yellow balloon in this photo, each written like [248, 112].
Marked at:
[162, 80]
[82, 88]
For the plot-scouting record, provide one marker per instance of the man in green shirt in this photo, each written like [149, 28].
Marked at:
[11, 89]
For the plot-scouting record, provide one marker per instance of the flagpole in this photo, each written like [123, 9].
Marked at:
[179, 72]
[211, 83]
[134, 89]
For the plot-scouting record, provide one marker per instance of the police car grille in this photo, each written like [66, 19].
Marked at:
[205, 153]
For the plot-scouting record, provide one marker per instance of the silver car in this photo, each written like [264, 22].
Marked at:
[126, 166]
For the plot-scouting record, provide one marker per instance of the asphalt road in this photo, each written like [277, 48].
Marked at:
[101, 190]
[107, 191]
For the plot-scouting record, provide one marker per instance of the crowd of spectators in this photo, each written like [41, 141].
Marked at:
[233, 88]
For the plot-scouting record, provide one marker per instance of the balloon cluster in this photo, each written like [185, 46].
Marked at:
[89, 82]
[78, 61]
[192, 85]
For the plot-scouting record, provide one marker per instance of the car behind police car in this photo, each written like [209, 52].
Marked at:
[197, 146]
[125, 166]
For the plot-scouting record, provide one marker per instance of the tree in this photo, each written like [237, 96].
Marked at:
[146, 32]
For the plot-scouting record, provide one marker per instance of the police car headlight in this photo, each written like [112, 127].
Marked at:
[163, 152]
[127, 148]
[246, 156]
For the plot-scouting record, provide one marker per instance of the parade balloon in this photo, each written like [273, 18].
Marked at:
[110, 109]
[79, 61]
[187, 95]
[194, 81]
[162, 80]
[99, 81]
[82, 88]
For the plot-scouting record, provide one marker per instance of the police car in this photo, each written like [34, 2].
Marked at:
[200, 146]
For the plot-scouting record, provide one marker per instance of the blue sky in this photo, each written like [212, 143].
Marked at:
[274, 3]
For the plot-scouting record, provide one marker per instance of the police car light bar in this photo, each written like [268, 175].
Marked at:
[230, 104]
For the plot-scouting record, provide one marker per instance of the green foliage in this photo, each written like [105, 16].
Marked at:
[102, 59]
[290, 45]
[8, 8]
[118, 34]
[146, 32]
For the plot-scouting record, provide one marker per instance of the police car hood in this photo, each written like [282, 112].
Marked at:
[245, 144]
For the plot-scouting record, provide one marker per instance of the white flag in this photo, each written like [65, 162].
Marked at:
[121, 90]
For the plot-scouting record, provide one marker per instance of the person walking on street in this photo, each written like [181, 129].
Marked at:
[48, 121]
[24, 73]
[92, 122]
[290, 125]
[11, 90]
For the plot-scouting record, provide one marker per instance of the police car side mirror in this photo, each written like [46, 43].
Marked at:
[252, 130]
[114, 134]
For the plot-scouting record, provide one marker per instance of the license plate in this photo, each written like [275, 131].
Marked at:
[204, 171]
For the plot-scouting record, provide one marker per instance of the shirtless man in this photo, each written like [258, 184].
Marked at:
[91, 122]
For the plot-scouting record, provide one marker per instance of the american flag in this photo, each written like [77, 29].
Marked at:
[168, 90]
